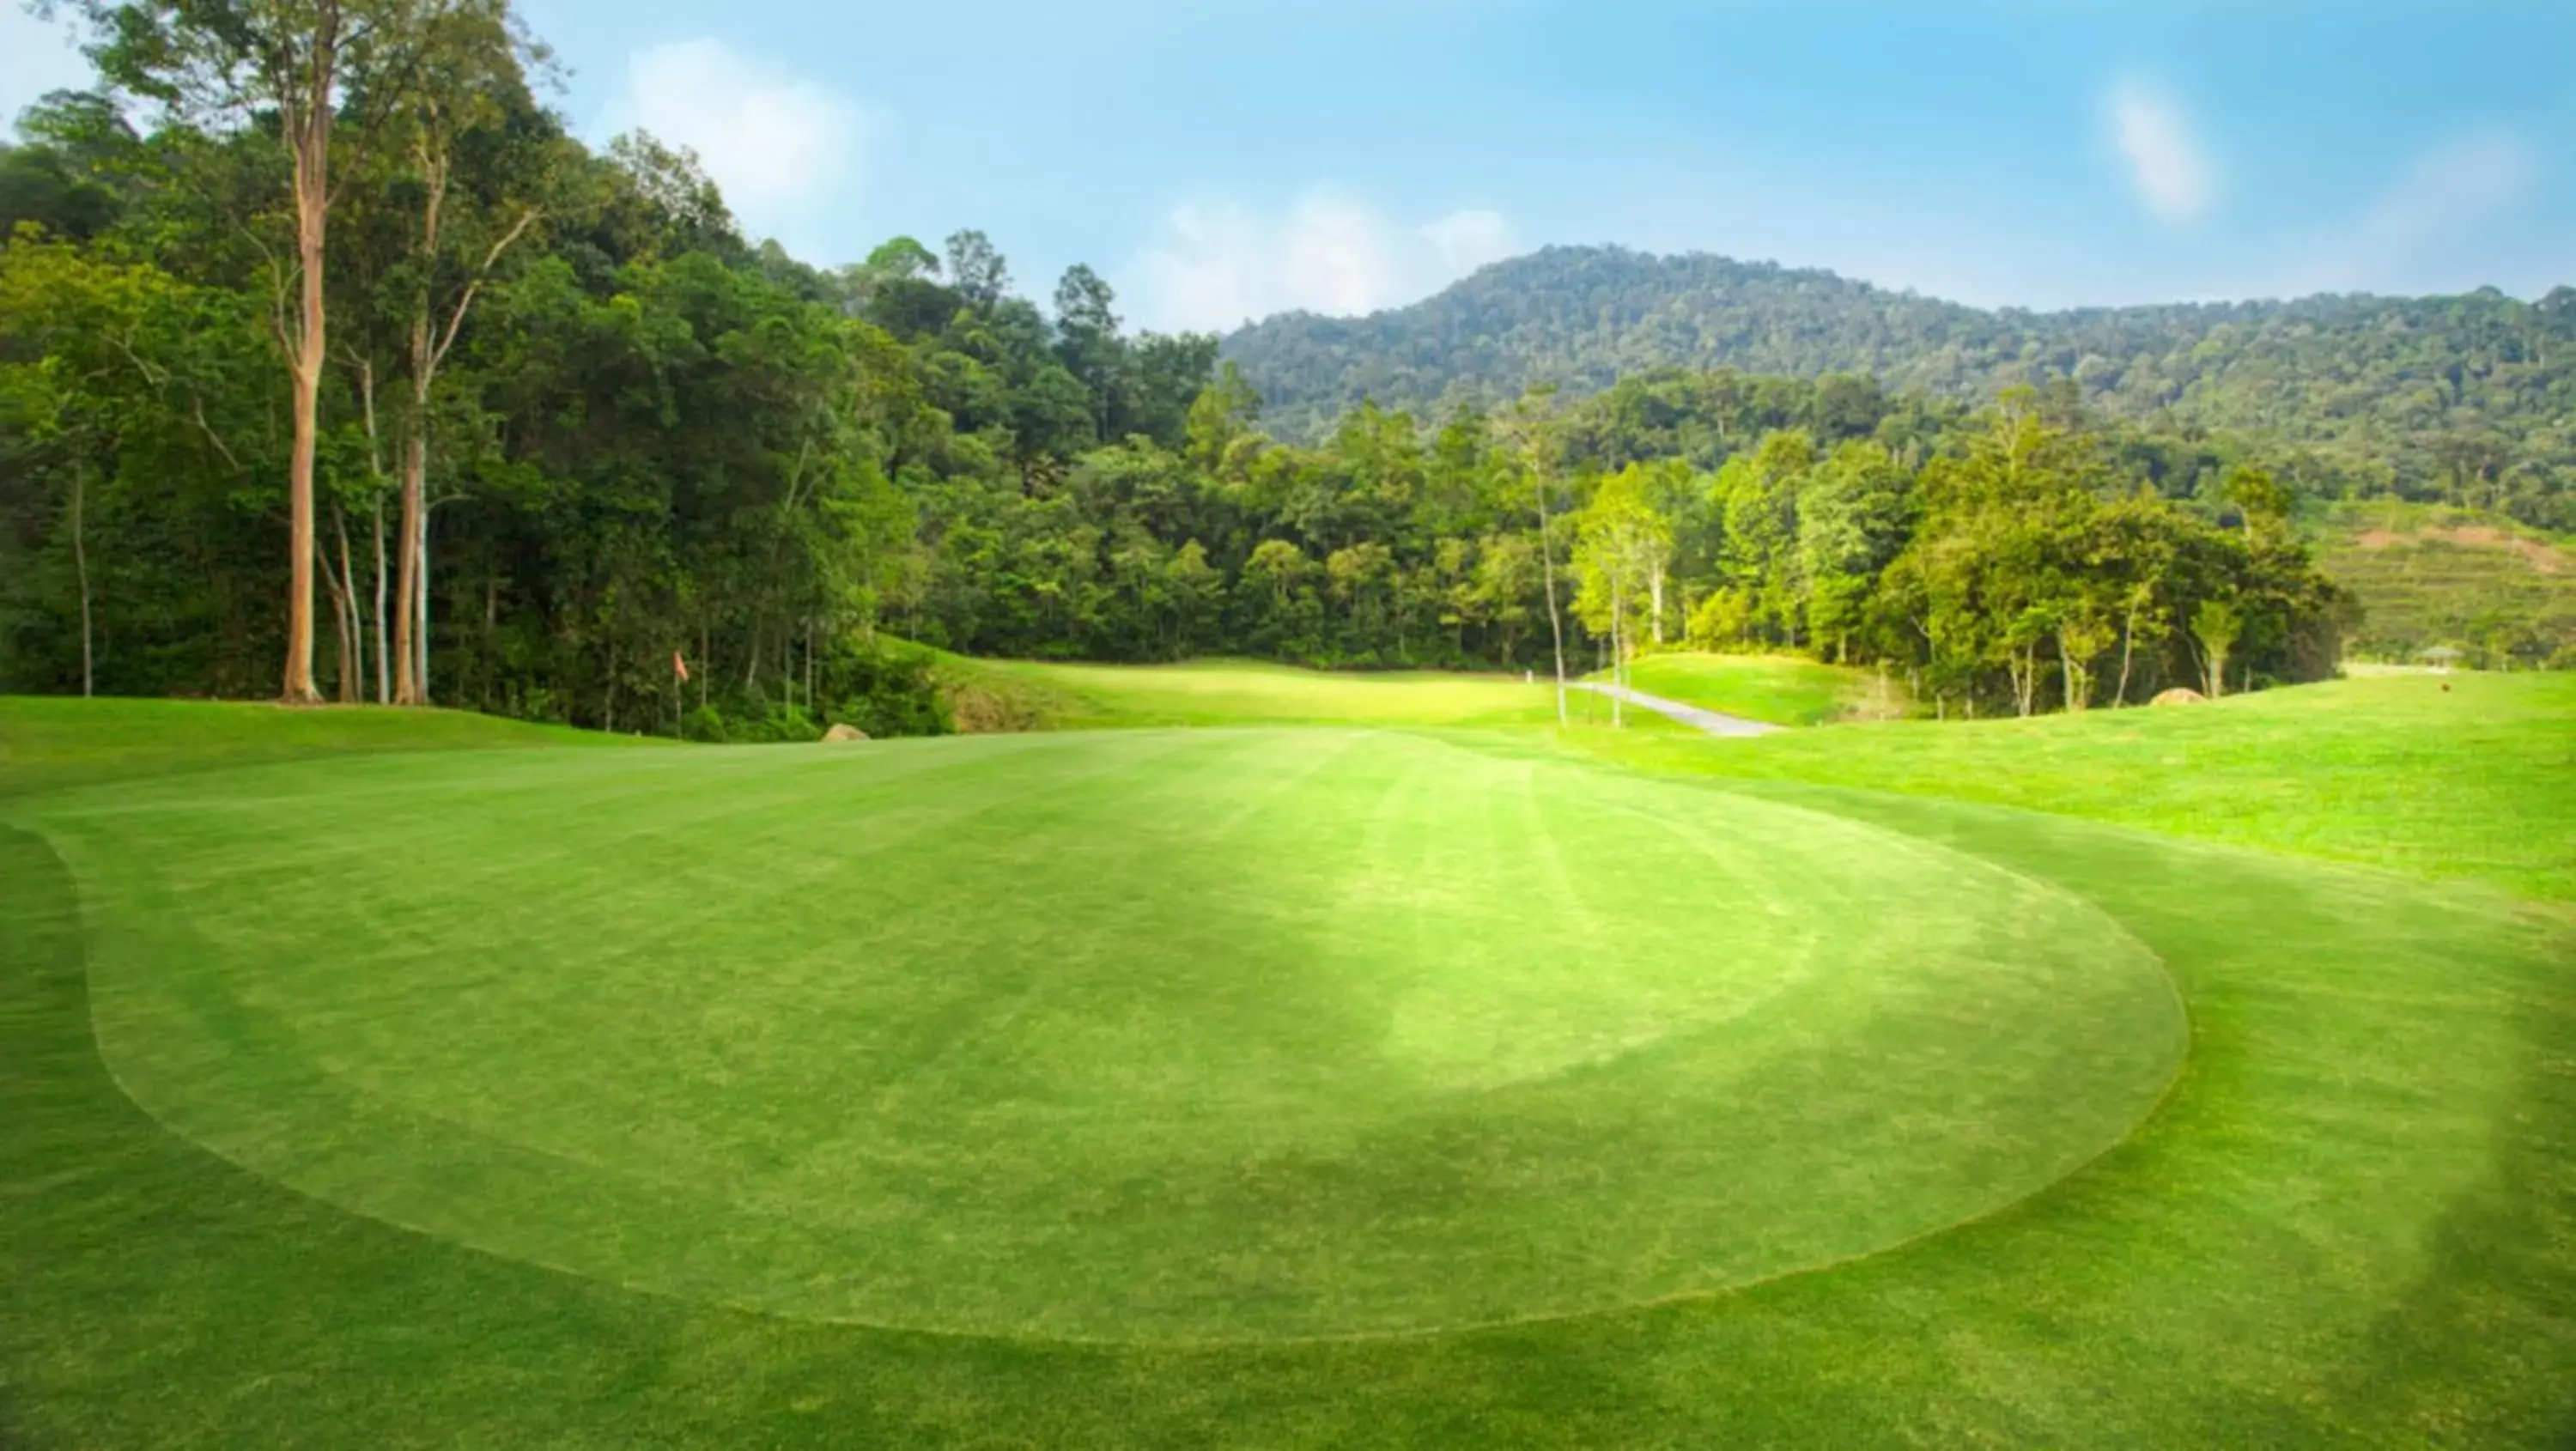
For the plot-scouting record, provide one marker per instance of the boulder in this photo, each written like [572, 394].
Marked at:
[845, 733]
[2179, 695]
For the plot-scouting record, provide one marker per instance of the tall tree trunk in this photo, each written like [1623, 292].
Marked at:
[408, 688]
[353, 673]
[420, 606]
[1655, 593]
[1618, 657]
[1547, 575]
[384, 665]
[2128, 638]
[344, 681]
[430, 342]
[308, 127]
[80, 571]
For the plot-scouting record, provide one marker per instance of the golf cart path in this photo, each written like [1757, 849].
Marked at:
[1716, 723]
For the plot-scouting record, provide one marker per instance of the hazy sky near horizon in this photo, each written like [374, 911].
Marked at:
[1225, 161]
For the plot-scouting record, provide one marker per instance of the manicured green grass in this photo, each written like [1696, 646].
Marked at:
[2467, 775]
[1049, 696]
[2351, 1219]
[1190, 1036]
[49, 742]
[1781, 689]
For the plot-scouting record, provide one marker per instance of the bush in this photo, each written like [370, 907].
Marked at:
[886, 689]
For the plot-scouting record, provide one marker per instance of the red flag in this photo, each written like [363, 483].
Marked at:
[679, 667]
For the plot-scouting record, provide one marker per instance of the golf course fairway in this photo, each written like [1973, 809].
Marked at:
[1164, 1036]
[417, 1079]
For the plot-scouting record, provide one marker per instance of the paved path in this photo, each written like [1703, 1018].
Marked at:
[1716, 723]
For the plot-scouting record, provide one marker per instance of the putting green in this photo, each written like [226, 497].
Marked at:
[1154, 1036]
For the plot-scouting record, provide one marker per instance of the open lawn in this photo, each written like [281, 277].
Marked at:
[1251, 692]
[1320, 1086]
[1040, 695]
[2468, 775]
[1780, 689]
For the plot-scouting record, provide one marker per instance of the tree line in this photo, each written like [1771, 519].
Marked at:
[332, 367]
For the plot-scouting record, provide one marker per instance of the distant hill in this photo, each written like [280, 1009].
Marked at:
[2472, 398]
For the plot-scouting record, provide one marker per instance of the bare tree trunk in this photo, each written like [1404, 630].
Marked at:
[2128, 637]
[308, 128]
[430, 343]
[410, 588]
[1547, 574]
[1655, 593]
[353, 684]
[384, 666]
[420, 634]
[344, 681]
[80, 570]
[2066, 676]
[1618, 656]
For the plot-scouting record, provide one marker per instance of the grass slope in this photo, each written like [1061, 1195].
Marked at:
[2353, 1220]
[2470, 775]
[1781, 689]
[1041, 695]
[50, 742]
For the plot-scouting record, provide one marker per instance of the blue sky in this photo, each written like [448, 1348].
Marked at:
[1224, 160]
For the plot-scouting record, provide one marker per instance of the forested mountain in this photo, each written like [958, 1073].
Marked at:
[2470, 399]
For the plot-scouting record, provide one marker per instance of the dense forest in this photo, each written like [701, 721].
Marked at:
[2464, 400]
[331, 366]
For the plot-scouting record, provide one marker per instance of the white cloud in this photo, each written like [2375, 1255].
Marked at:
[2449, 192]
[1216, 264]
[2165, 159]
[1466, 241]
[36, 56]
[777, 144]
[2420, 234]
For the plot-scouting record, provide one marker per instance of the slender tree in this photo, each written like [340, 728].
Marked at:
[1527, 427]
[467, 80]
[224, 62]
